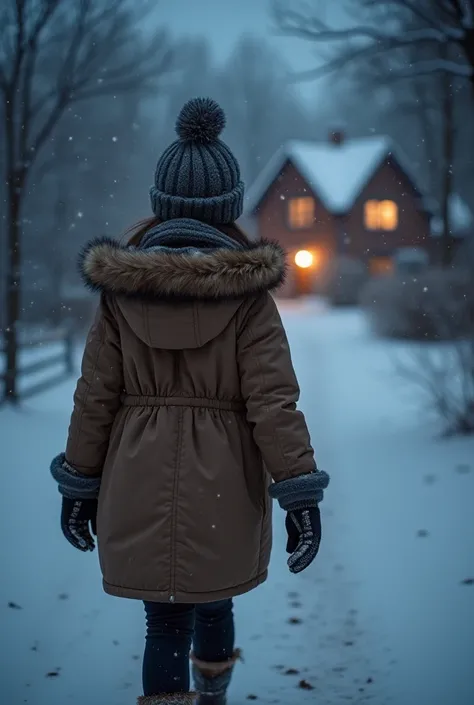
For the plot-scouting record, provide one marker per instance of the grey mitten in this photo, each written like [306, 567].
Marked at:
[300, 497]
[304, 537]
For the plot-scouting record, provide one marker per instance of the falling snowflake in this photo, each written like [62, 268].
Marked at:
[114, 139]
[80, 214]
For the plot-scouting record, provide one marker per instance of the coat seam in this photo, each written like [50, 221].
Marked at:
[197, 332]
[147, 322]
[265, 405]
[88, 390]
[174, 512]
[192, 592]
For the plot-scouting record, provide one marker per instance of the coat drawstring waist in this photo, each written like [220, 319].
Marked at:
[199, 402]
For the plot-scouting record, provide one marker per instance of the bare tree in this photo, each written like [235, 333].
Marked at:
[428, 46]
[254, 89]
[54, 53]
[441, 22]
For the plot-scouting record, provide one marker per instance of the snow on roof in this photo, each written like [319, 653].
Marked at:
[337, 173]
[460, 217]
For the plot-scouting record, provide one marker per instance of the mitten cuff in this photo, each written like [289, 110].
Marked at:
[300, 492]
[71, 483]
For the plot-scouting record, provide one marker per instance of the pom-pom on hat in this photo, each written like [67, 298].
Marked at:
[197, 176]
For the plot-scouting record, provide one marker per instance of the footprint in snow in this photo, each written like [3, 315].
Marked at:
[429, 479]
[295, 620]
[463, 468]
[53, 674]
[305, 685]
[422, 533]
[467, 581]
[14, 606]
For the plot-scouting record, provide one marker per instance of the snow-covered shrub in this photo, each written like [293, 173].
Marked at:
[437, 304]
[444, 372]
[343, 281]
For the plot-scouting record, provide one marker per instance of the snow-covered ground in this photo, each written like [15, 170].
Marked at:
[386, 613]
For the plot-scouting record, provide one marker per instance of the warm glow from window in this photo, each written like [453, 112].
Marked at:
[301, 212]
[381, 215]
[371, 214]
[380, 266]
[304, 259]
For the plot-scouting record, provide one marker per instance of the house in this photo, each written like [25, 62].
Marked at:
[349, 197]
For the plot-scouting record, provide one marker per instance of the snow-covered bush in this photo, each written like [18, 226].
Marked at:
[343, 281]
[444, 372]
[435, 305]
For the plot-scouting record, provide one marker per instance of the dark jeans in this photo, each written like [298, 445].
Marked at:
[170, 630]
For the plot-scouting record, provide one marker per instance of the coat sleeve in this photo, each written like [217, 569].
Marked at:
[97, 396]
[270, 390]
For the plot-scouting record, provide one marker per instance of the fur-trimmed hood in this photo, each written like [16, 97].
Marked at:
[164, 274]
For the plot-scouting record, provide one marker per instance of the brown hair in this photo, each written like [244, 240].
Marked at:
[138, 230]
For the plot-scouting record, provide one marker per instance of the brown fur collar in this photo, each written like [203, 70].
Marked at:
[112, 268]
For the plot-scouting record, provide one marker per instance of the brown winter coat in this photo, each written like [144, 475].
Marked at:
[187, 394]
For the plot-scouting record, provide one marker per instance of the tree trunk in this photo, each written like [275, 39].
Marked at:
[57, 262]
[447, 168]
[13, 287]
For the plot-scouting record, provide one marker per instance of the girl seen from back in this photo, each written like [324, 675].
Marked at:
[185, 423]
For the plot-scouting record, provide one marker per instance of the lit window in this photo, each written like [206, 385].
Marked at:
[381, 215]
[301, 212]
[371, 214]
[388, 211]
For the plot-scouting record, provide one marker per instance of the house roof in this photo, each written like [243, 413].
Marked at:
[337, 173]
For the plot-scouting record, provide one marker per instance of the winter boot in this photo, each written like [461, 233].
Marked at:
[167, 699]
[211, 680]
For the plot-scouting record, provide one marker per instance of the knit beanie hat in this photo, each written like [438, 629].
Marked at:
[197, 176]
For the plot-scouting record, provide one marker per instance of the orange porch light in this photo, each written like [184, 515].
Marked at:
[304, 259]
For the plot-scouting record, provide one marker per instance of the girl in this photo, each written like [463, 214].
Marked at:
[184, 414]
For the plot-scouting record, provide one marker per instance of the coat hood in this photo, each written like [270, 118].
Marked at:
[182, 275]
[180, 298]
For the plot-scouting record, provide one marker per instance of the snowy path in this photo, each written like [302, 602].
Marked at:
[401, 518]
[382, 616]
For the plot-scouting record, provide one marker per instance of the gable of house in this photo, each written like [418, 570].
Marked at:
[335, 173]
[387, 215]
[291, 187]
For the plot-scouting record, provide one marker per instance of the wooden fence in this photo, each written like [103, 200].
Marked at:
[63, 358]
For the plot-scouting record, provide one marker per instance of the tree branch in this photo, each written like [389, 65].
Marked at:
[430, 67]
[296, 24]
[367, 41]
